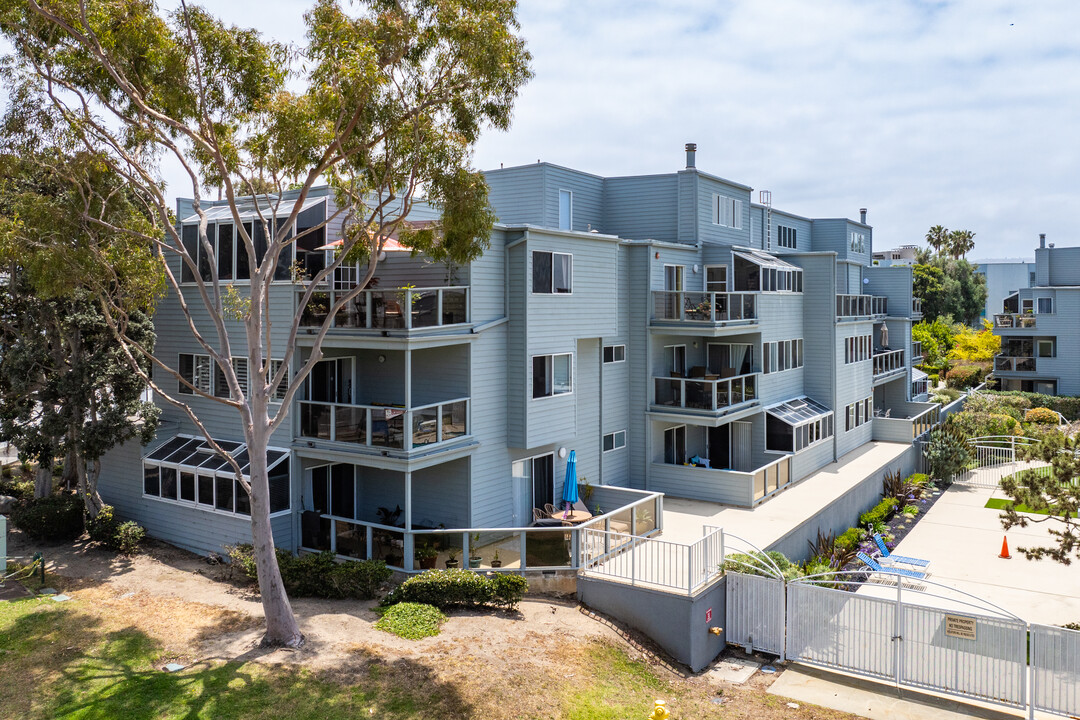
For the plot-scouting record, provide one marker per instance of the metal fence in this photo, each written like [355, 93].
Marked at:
[650, 562]
[993, 458]
[755, 612]
[1055, 670]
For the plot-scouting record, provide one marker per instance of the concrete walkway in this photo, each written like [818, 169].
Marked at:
[779, 515]
[962, 539]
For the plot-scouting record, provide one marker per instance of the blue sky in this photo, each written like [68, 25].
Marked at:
[965, 114]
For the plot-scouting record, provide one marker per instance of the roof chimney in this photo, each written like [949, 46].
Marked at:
[1042, 240]
[862, 215]
[691, 151]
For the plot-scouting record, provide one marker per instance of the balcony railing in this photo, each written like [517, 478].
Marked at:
[386, 309]
[1014, 320]
[385, 427]
[916, 306]
[702, 394]
[861, 305]
[888, 362]
[714, 307]
[916, 351]
[1008, 363]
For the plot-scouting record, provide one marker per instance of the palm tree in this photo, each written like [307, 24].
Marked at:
[937, 238]
[960, 243]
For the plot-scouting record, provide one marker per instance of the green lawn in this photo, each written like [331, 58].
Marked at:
[1002, 504]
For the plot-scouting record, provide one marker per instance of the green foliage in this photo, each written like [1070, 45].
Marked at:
[129, 535]
[947, 452]
[411, 621]
[16, 487]
[758, 563]
[880, 513]
[850, 539]
[945, 396]
[975, 346]
[1055, 493]
[457, 587]
[937, 341]
[318, 574]
[949, 285]
[910, 510]
[54, 518]
[966, 375]
[1067, 406]
[983, 424]
[1041, 416]
[123, 537]
[982, 402]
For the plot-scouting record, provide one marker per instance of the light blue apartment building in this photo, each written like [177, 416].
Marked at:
[1003, 278]
[679, 334]
[1039, 329]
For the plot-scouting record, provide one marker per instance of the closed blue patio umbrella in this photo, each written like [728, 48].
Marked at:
[569, 488]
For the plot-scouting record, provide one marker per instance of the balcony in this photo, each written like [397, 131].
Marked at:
[861, 306]
[888, 363]
[916, 352]
[916, 307]
[379, 426]
[709, 393]
[715, 308]
[429, 308]
[731, 487]
[1009, 363]
[1015, 320]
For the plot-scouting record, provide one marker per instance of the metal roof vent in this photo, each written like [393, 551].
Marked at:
[691, 152]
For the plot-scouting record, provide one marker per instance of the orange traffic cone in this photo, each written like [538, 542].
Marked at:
[1005, 549]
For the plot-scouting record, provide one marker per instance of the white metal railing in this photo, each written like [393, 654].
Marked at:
[916, 351]
[916, 306]
[861, 305]
[381, 426]
[1014, 320]
[406, 308]
[888, 362]
[706, 307]
[706, 394]
[1007, 363]
[650, 562]
[516, 549]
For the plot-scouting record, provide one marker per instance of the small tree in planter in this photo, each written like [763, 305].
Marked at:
[947, 452]
[451, 558]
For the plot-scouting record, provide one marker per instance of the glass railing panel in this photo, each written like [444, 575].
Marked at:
[697, 306]
[315, 420]
[1025, 364]
[353, 314]
[455, 303]
[668, 392]
[620, 521]
[350, 424]
[644, 518]
[316, 310]
[425, 426]
[759, 484]
[548, 548]
[387, 309]
[388, 546]
[495, 550]
[698, 394]
[350, 539]
[388, 427]
[425, 308]
[454, 419]
[666, 305]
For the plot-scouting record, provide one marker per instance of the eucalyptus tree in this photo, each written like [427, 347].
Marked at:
[383, 102]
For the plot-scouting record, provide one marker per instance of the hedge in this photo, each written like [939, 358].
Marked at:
[458, 587]
[1067, 406]
[318, 574]
[879, 513]
[1042, 416]
[57, 517]
[965, 376]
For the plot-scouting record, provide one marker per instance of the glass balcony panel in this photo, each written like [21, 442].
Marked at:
[454, 306]
[351, 539]
[315, 419]
[353, 314]
[454, 418]
[386, 309]
[316, 310]
[547, 548]
[644, 519]
[668, 392]
[425, 426]
[388, 546]
[425, 308]
[388, 427]
[698, 395]
[350, 424]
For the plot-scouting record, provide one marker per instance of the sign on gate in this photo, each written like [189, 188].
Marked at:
[959, 626]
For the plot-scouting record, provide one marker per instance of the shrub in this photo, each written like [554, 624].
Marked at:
[982, 424]
[103, 527]
[933, 378]
[966, 375]
[944, 396]
[411, 621]
[947, 452]
[17, 487]
[317, 574]
[1067, 406]
[850, 539]
[911, 510]
[880, 513]
[128, 536]
[755, 563]
[458, 587]
[1041, 416]
[57, 517]
[509, 589]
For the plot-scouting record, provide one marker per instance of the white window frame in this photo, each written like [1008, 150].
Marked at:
[726, 281]
[680, 277]
[1047, 298]
[570, 209]
[277, 396]
[673, 430]
[552, 291]
[615, 444]
[727, 211]
[551, 365]
[195, 358]
[858, 242]
[1052, 342]
[528, 461]
[668, 365]
[615, 352]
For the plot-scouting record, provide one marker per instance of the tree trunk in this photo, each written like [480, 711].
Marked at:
[88, 487]
[42, 481]
[282, 630]
[71, 469]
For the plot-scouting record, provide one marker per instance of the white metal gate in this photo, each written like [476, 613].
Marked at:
[1055, 670]
[755, 612]
[980, 655]
[993, 458]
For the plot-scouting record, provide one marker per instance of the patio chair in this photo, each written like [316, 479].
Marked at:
[550, 509]
[888, 558]
[875, 566]
[538, 515]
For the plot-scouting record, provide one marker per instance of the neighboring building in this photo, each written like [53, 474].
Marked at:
[902, 256]
[678, 336]
[1003, 278]
[1038, 325]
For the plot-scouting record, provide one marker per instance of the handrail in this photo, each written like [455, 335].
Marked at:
[396, 311]
[889, 361]
[360, 430]
[1014, 363]
[711, 307]
[732, 387]
[853, 305]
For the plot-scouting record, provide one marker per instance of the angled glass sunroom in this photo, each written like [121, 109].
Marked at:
[187, 471]
[796, 424]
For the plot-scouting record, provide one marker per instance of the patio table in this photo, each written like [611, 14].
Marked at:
[574, 516]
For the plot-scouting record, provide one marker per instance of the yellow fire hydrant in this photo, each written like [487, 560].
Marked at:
[659, 712]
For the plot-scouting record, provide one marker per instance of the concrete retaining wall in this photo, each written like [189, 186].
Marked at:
[674, 622]
[843, 512]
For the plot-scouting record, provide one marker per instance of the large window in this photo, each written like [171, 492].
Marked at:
[1044, 305]
[566, 210]
[675, 445]
[783, 355]
[786, 237]
[538, 476]
[283, 387]
[716, 278]
[857, 349]
[796, 424]
[195, 371]
[755, 270]
[221, 384]
[859, 413]
[552, 375]
[187, 471]
[858, 242]
[727, 212]
[552, 272]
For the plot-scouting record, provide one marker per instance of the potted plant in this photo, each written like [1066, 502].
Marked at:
[426, 555]
[495, 561]
[451, 558]
[474, 557]
[586, 491]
